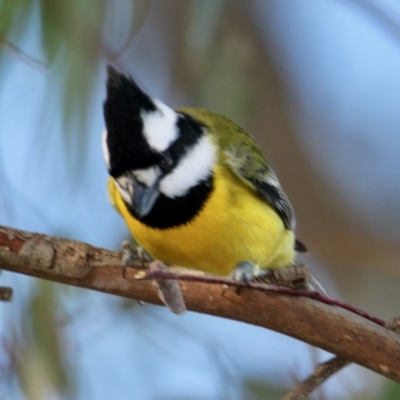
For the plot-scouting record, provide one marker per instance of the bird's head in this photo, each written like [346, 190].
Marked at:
[151, 150]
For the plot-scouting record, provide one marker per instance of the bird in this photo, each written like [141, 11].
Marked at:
[194, 189]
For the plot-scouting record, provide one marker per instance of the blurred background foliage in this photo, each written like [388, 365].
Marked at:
[316, 83]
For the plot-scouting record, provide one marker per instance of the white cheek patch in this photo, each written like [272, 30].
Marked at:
[106, 153]
[147, 176]
[159, 127]
[192, 169]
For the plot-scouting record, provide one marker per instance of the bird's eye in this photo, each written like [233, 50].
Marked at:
[165, 160]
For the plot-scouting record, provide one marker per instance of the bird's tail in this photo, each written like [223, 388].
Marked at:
[314, 284]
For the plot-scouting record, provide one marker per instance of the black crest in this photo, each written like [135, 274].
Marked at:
[122, 113]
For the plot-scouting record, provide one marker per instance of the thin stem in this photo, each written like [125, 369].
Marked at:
[165, 274]
[321, 373]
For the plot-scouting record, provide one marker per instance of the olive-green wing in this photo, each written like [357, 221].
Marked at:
[245, 159]
[248, 163]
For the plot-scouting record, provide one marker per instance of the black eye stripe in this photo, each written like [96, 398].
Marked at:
[165, 159]
[190, 131]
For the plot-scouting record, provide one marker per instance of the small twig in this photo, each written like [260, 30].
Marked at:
[165, 274]
[325, 370]
[321, 373]
[34, 62]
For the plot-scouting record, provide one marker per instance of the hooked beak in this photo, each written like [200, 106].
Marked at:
[143, 197]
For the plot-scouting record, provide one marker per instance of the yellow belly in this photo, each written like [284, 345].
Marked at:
[235, 225]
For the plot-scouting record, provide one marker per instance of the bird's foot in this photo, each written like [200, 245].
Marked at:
[243, 274]
[130, 254]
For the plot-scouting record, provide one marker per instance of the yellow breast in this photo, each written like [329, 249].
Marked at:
[234, 225]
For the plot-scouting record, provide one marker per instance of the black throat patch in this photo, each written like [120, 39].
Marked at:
[169, 213]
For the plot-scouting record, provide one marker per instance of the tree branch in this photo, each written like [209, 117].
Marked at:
[335, 330]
